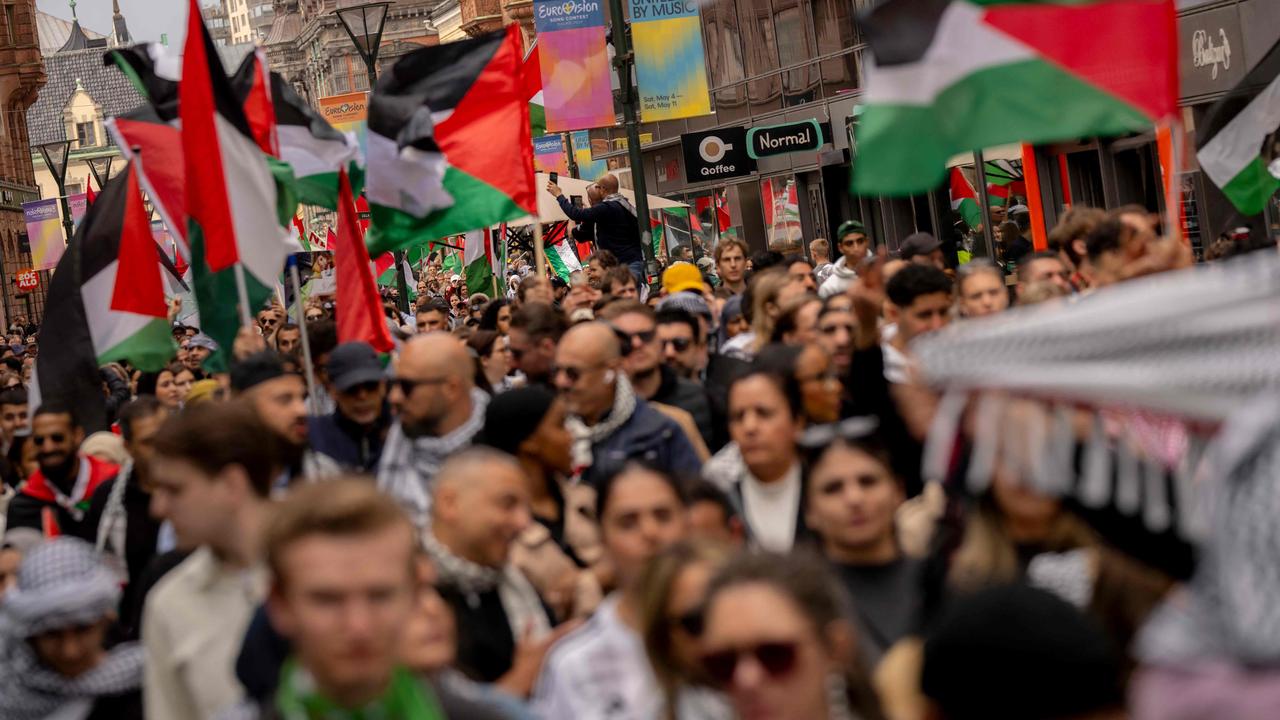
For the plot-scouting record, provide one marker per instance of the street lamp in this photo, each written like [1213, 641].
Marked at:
[101, 169]
[55, 156]
[364, 24]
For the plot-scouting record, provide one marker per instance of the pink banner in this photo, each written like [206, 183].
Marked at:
[574, 65]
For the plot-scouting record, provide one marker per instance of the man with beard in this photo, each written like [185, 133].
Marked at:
[279, 398]
[55, 499]
[352, 435]
[121, 508]
[441, 410]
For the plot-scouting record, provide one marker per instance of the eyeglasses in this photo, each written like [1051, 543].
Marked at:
[408, 385]
[362, 388]
[690, 622]
[777, 658]
[680, 344]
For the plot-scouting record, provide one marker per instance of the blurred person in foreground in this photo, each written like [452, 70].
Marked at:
[53, 625]
[600, 669]
[345, 587]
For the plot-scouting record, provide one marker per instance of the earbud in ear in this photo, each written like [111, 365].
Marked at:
[608, 376]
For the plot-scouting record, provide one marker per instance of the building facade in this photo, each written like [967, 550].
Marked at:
[21, 77]
[216, 20]
[250, 20]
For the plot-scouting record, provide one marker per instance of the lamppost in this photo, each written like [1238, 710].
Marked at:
[55, 156]
[101, 169]
[364, 24]
[624, 62]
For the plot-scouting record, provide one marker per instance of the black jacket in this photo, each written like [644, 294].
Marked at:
[348, 443]
[616, 228]
[688, 396]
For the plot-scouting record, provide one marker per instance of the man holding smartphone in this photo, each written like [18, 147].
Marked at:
[614, 219]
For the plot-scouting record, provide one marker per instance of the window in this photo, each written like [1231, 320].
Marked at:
[10, 22]
[758, 36]
[724, 43]
[86, 134]
[340, 75]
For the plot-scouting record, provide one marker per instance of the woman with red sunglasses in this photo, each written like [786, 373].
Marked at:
[778, 641]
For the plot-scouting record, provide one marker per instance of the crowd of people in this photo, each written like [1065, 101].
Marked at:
[594, 499]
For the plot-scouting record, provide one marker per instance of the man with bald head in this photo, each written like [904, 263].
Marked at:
[614, 219]
[609, 423]
[440, 411]
[479, 505]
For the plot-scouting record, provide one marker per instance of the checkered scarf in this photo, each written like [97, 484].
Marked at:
[1180, 372]
[409, 465]
[113, 526]
[1161, 362]
[61, 583]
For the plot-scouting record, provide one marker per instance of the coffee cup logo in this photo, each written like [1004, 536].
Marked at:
[712, 148]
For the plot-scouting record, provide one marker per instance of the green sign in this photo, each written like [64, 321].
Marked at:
[803, 136]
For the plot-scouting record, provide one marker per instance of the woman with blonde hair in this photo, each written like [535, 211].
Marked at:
[674, 589]
[764, 297]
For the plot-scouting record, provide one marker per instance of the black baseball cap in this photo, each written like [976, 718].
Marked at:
[354, 363]
[920, 243]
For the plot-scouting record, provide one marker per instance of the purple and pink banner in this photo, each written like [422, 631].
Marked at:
[44, 232]
[574, 64]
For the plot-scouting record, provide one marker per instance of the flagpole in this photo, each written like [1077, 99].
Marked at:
[539, 250]
[302, 325]
[984, 202]
[1173, 191]
[493, 261]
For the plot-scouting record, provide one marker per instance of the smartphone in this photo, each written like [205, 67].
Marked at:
[555, 178]
[576, 201]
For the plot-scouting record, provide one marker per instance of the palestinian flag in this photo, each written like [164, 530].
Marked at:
[286, 127]
[561, 258]
[152, 145]
[106, 301]
[532, 74]
[477, 261]
[153, 70]
[1237, 145]
[950, 76]
[656, 232]
[449, 146]
[231, 198]
[964, 201]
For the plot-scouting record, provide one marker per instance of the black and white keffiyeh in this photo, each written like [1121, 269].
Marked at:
[61, 583]
[1159, 363]
[1180, 375]
[584, 436]
[519, 598]
[408, 465]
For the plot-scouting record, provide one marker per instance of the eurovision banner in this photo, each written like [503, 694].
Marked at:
[549, 155]
[44, 231]
[574, 64]
[671, 70]
[347, 113]
[79, 206]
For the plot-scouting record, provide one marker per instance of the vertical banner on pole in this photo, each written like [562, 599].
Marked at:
[44, 230]
[79, 204]
[574, 64]
[347, 113]
[671, 68]
[588, 169]
[549, 155]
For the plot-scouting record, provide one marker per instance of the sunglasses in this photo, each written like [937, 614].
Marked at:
[680, 344]
[777, 658]
[645, 336]
[573, 373]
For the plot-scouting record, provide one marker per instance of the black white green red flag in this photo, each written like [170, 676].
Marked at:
[448, 147]
[1237, 146]
[231, 197]
[950, 76]
[106, 301]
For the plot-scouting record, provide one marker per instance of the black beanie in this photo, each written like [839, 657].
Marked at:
[514, 415]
